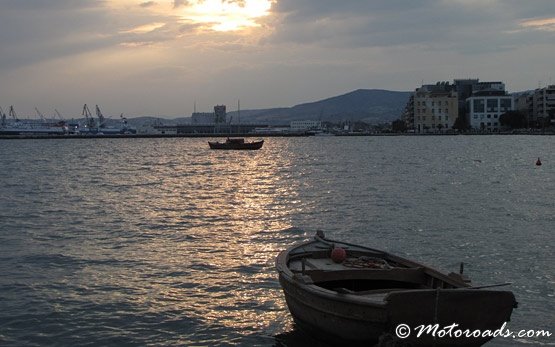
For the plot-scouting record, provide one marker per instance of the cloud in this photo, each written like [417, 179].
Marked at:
[539, 23]
[42, 30]
[179, 3]
[48, 30]
[158, 58]
[145, 28]
[462, 25]
[148, 4]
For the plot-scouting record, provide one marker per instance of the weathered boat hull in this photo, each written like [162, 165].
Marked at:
[333, 320]
[472, 310]
[341, 316]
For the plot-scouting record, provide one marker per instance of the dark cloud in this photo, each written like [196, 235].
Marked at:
[46, 30]
[49, 5]
[465, 26]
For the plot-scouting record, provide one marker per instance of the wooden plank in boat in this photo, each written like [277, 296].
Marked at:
[410, 275]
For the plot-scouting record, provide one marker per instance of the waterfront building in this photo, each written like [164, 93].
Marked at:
[543, 105]
[198, 118]
[203, 123]
[220, 113]
[210, 118]
[488, 102]
[523, 103]
[436, 107]
[303, 125]
[408, 114]
[464, 88]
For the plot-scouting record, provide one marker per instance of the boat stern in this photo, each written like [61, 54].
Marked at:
[465, 309]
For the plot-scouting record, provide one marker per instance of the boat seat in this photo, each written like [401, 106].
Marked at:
[410, 275]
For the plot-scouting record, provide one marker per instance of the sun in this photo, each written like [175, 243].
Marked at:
[226, 15]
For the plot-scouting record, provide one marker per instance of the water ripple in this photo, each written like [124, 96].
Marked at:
[164, 242]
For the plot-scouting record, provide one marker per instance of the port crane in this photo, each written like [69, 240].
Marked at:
[13, 114]
[101, 118]
[59, 115]
[40, 115]
[3, 117]
[91, 124]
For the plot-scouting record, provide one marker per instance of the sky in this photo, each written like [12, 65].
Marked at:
[164, 57]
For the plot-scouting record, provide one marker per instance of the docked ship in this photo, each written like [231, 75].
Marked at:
[93, 126]
[16, 126]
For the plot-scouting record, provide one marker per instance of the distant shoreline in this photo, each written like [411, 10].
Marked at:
[142, 136]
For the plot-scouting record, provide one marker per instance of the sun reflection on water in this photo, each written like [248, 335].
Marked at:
[215, 234]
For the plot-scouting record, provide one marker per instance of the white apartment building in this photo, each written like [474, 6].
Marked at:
[484, 111]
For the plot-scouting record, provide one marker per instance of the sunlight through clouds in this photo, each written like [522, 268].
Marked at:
[143, 29]
[547, 24]
[220, 15]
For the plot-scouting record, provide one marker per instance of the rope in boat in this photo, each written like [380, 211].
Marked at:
[367, 263]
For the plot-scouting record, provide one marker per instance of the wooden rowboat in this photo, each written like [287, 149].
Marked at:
[236, 144]
[365, 296]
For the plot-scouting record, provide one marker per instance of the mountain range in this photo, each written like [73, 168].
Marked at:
[367, 105]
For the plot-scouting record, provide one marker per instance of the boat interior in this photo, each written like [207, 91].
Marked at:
[364, 273]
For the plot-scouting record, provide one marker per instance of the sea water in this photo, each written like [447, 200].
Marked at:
[165, 242]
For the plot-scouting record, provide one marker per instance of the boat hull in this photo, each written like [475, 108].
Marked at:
[33, 131]
[337, 321]
[236, 146]
[343, 316]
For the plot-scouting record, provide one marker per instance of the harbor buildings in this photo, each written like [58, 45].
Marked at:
[538, 106]
[303, 125]
[217, 123]
[210, 118]
[543, 105]
[435, 107]
[488, 102]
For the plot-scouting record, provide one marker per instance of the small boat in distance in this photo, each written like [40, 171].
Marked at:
[236, 144]
[350, 294]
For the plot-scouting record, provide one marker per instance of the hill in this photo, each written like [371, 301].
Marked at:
[368, 105]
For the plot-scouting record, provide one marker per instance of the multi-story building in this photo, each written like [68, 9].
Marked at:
[435, 107]
[464, 88]
[543, 105]
[523, 103]
[487, 104]
[408, 114]
[210, 118]
[220, 112]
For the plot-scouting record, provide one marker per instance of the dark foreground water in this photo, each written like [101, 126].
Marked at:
[164, 242]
